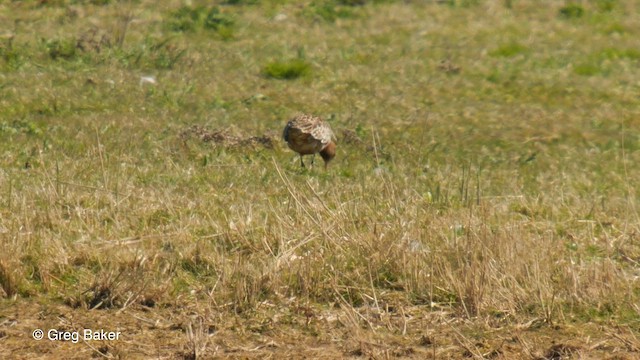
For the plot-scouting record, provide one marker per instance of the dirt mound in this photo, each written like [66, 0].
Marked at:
[226, 138]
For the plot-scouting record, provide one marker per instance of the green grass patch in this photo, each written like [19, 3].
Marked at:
[328, 11]
[614, 28]
[590, 68]
[606, 5]
[287, 70]
[603, 62]
[509, 50]
[617, 53]
[11, 58]
[143, 172]
[571, 11]
[62, 49]
[192, 19]
[461, 3]
[20, 127]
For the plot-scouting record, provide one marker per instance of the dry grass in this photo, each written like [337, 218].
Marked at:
[483, 202]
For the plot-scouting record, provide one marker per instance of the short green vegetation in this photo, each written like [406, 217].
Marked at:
[483, 202]
[291, 69]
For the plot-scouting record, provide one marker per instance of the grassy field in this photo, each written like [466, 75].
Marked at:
[483, 202]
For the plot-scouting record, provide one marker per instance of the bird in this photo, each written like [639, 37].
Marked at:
[307, 135]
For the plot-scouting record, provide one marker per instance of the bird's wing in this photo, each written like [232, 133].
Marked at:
[322, 132]
[309, 124]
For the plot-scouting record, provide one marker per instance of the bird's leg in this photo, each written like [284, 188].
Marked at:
[313, 158]
[301, 162]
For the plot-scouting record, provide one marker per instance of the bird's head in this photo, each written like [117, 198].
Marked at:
[328, 153]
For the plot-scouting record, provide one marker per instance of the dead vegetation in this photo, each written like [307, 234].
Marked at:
[225, 138]
[482, 204]
[284, 331]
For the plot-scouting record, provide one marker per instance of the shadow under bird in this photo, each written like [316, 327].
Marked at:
[308, 135]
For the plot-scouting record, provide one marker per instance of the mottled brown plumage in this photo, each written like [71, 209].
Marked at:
[308, 135]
